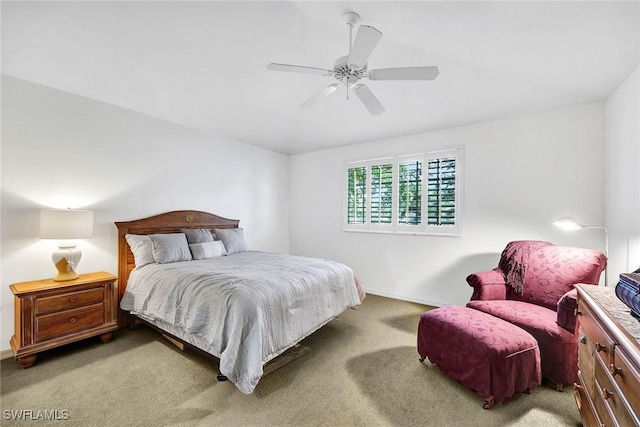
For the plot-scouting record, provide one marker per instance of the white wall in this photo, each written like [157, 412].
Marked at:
[622, 182]
[61, 150]
[520, 174]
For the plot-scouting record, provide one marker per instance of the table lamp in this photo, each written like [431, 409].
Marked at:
[66, 224]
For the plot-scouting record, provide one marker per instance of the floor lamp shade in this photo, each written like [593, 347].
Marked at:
[66, 224]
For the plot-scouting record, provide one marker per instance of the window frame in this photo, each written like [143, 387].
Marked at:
[395, 227]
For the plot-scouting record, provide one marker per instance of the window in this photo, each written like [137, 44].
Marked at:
[441, 189]
[357, 195]
[410, 192]
[381, 194]
[417, 194]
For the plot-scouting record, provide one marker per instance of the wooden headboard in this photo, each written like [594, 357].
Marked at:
[169, 222]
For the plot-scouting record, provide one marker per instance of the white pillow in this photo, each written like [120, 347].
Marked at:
[141, 248]
[206, 250]
[233, 239]
[171, 247]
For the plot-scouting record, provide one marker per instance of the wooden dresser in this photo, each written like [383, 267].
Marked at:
[609, 360]
[49, 314]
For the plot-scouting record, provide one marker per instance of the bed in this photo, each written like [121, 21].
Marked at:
[243, 307]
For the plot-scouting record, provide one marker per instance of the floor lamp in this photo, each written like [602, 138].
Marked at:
[571, 224]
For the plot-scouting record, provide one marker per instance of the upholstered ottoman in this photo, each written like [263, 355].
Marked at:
[485, 354]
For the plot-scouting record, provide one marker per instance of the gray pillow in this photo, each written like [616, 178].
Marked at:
[206, 250]
[198, 235]
[233, 239]
[141, 248]
[170, 248]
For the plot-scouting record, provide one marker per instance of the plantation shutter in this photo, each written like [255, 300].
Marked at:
[381, 194]
[441, 188]
[357, 195]
[410, 192]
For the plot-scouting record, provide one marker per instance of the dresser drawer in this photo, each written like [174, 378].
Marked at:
[605, 416]
[48, 304]
[585, 404]
[609, 378]
[627, 377]
[585, 361]
[598, 340]
[53, 325]
[611, 396]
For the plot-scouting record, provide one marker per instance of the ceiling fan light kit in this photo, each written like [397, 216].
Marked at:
[349, 69]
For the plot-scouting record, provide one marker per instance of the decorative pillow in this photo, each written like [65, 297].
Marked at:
[170, 248]
[198, 235]
[233, 239]
[206, 250]
[141, 248]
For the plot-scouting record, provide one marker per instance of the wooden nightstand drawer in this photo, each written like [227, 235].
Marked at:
[69, 300]
[67, 322]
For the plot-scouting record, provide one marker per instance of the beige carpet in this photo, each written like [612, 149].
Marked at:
[362, 370]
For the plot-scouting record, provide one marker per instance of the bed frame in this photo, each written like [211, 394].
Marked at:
[169, 222]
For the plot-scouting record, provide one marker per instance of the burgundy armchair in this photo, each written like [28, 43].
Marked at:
[533, 288]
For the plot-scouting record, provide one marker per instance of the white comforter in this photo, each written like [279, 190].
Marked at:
[247, 307]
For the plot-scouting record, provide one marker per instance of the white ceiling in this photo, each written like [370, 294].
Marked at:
[203, 64]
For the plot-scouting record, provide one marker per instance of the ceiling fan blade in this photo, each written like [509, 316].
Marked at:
[407, 73]
[366, 40]
[299, 69]
[368, 99]
[320, 95]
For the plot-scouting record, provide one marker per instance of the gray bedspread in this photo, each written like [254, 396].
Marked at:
[247, 307]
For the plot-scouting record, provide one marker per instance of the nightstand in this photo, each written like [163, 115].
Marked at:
[49, 314]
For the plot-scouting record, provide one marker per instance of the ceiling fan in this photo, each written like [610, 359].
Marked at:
[348, 70]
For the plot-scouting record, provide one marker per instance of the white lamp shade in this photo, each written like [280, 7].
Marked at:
[66, 224]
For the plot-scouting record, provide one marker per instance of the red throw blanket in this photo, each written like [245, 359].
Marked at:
[514, 260]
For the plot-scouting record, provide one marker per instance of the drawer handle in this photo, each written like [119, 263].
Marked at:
[600, 347]
[583, 339]
[606, 394]
[73, 299]
[73, 320]
[577, 312]
[615, 370]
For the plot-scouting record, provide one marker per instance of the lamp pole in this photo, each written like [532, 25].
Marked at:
[569, 223]
[606, 250]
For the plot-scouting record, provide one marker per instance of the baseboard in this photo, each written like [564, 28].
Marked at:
[5, 354]
[401, 297]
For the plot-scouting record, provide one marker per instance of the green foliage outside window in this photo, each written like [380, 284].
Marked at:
[410, 193]
[441, 188]
[381, 194]
[357, 195]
